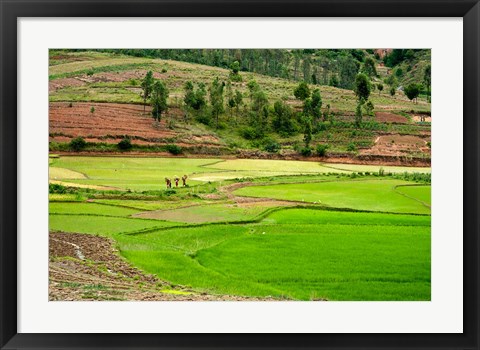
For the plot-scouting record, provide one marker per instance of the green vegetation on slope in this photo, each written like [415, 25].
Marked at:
[318, 66]
[252, 121]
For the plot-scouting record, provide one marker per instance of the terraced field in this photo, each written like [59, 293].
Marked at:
[320, 197]
[373, 195]
[321, 255]
[310, 233]
[148, 173]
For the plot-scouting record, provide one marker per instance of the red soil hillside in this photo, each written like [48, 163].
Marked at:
[111, 122]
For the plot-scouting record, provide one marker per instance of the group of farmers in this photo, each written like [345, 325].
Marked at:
[168, 182]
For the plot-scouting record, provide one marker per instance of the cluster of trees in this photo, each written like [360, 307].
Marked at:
[253, 112]
[398, 56]
[363, 88]
[156, 92]
[207, 106]
[413, 89]
[409, 58]
[312, 112]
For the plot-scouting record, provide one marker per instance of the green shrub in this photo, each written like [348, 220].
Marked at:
[204, 118]
[235, 77]
[174, 149]
[56, 188]
[322, 150]
[272, 146]
[306, 151]
[321, 126]
[77, 144]
[250, 133]
[164, 70]
[92, 109]
[171, 124]
[351, 147]
[417, 177]
[297, 146]
[125, 144]
[369, 107]
[221, 126]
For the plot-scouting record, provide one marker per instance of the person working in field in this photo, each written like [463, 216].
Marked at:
[176, 180]
[168, 182]
[184, 180]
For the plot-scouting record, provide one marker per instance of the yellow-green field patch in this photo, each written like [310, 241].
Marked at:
[143, 205]
[55, 173]
[80, 185]
[376, 168]
[273, 167]
[82, 65]
[133, 173]
[206, 213]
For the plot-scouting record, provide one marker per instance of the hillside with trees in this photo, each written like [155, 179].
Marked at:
[362, 105]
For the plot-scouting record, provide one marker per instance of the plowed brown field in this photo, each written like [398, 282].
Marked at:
[112, 122]
[56, 84]
[385, 117]
[398, 145]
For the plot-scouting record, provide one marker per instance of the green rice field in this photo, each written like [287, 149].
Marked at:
[375, 195]
[327, 255]
[290, 230]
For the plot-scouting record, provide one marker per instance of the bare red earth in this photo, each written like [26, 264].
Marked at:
[385, 117]
[111, 122]
[56, 84]
[398, 145]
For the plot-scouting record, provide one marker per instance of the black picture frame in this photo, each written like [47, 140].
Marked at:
[11, 10]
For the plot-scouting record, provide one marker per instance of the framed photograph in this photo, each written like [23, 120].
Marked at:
[239, 174]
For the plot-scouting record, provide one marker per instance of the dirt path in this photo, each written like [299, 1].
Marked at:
[87, 267]
[227, 191]
[225, 196]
